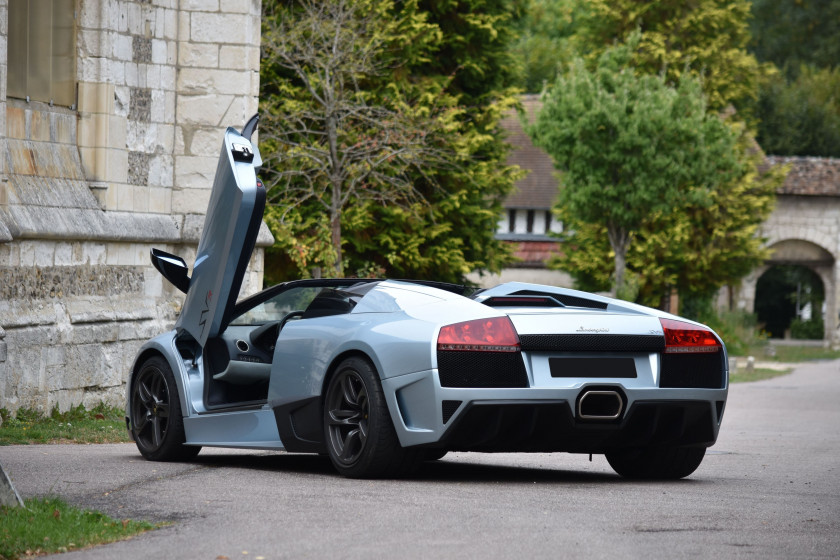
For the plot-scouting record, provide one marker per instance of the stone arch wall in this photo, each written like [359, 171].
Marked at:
[804, 230]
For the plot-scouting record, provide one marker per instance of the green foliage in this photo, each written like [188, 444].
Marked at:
[812, 329]
[444, 65]
[738, 329]
[707, 39]
[632, 150]
[794, 32]
[801, 116]
[101, 424]
[49, 525]
[697, 248]
[544, 43]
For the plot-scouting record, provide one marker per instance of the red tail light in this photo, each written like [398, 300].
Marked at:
[687, 338]
[484, 335]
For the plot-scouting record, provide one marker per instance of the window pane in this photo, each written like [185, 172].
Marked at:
[40, 50]
[17, 53]
[63, 53]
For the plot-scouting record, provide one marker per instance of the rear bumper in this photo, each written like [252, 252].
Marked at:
[493, 426]
[542, 419]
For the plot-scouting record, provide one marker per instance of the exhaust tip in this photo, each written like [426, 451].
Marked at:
[600, 404]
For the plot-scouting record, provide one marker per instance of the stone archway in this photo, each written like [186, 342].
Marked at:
[800, 252]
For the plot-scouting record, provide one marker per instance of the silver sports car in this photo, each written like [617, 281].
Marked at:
[381, 375]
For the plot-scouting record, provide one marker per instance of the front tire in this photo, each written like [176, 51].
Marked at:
[667, 463]
[156, 421]
[361, 440]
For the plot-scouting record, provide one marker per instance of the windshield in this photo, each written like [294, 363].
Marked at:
[277, 307]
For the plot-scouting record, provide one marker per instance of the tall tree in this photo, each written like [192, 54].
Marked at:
[801, 116]
[445, 65]
[337, 141]
[790, 33]
[698, 248]
[629, 146]
[705, 38]
[544, 43]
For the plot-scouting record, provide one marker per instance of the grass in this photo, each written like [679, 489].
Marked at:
[794, 354]
[757, 374]
[49, 525]
[102, 424]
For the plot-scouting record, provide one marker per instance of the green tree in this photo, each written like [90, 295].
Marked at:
[698, 248]
[706, 38]
[801, 116]
[337, 141]
[790, 33]
[630, 146]
[446, 65]
[544, 43]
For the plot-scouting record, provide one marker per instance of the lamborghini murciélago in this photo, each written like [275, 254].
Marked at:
[381, 375]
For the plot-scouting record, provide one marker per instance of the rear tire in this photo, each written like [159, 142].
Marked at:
[156, 421]
[667, 463]
[361, 440]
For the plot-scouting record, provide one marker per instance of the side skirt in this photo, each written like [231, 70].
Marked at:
[248, 428]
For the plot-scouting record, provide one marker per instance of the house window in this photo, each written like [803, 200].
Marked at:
[41, 51]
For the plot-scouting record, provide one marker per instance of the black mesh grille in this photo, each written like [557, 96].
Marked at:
[591, 343]
[449, 408]
[565, 299]
[692, 371]
[481, 369]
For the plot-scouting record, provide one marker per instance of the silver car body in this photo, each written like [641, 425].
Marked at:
[570, 343]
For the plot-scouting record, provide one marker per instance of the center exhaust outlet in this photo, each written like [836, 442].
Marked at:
[600, 404]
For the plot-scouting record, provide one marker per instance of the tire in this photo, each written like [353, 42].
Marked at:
[668, 463]
[434, 454]
[361, 440]
[156, 421]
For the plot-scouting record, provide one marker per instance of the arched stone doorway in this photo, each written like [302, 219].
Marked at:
[790, 301]
[795, 264]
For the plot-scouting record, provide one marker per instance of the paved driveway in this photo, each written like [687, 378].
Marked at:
[770, 488]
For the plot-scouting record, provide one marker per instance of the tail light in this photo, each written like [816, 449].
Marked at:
[684, 338]
[484, 335]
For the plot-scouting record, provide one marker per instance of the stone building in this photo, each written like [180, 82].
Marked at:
[804, 230]
[111, 121]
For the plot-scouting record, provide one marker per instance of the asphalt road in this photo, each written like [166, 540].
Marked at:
[770, 488]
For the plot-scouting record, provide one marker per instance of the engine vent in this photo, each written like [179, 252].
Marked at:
[692, 371]
[481, 369]
[565, 299]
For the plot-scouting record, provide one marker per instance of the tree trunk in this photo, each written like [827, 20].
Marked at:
[337, 191]
[335, 230]
[620, 242]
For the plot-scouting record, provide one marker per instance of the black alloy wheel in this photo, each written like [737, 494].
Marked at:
[361, 440]
[156, 421]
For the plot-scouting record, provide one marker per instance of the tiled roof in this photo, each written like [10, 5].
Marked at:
[539, 188]
[810, 176]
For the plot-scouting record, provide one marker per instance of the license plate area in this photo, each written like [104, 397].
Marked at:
[593, 368]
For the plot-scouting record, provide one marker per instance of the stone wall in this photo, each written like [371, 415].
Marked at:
[803, 230]
[87, 190]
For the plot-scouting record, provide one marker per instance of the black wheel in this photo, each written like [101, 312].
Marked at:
[668, 463]
[360, 437]
[156, 421]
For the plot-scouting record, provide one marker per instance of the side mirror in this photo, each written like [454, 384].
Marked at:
[172, 267]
